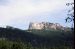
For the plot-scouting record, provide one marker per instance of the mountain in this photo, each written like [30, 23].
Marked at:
[47, 26]
[41, 39]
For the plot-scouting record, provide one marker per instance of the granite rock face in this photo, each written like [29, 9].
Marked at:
[46, 26]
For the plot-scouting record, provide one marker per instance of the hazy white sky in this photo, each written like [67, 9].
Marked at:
[19, 13]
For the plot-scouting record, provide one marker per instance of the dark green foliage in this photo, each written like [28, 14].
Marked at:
[70, 14]
[36, 39]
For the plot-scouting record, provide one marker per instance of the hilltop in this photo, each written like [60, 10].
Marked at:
[47, 26]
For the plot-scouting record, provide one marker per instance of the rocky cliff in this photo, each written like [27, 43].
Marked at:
[46, 26]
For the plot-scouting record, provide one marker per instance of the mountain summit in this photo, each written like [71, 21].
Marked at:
[46, 26]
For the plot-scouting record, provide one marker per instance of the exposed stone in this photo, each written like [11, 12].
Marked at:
[45, 26]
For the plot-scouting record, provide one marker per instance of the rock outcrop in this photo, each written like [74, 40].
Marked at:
[46, 26]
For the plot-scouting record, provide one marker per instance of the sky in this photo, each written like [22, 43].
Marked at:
[19, 13]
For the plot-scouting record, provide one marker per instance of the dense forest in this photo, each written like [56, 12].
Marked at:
[14, 38]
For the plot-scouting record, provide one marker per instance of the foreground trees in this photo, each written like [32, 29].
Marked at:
[43, 39]
[5, 44]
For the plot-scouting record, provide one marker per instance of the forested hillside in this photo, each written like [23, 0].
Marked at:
[13, 38]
